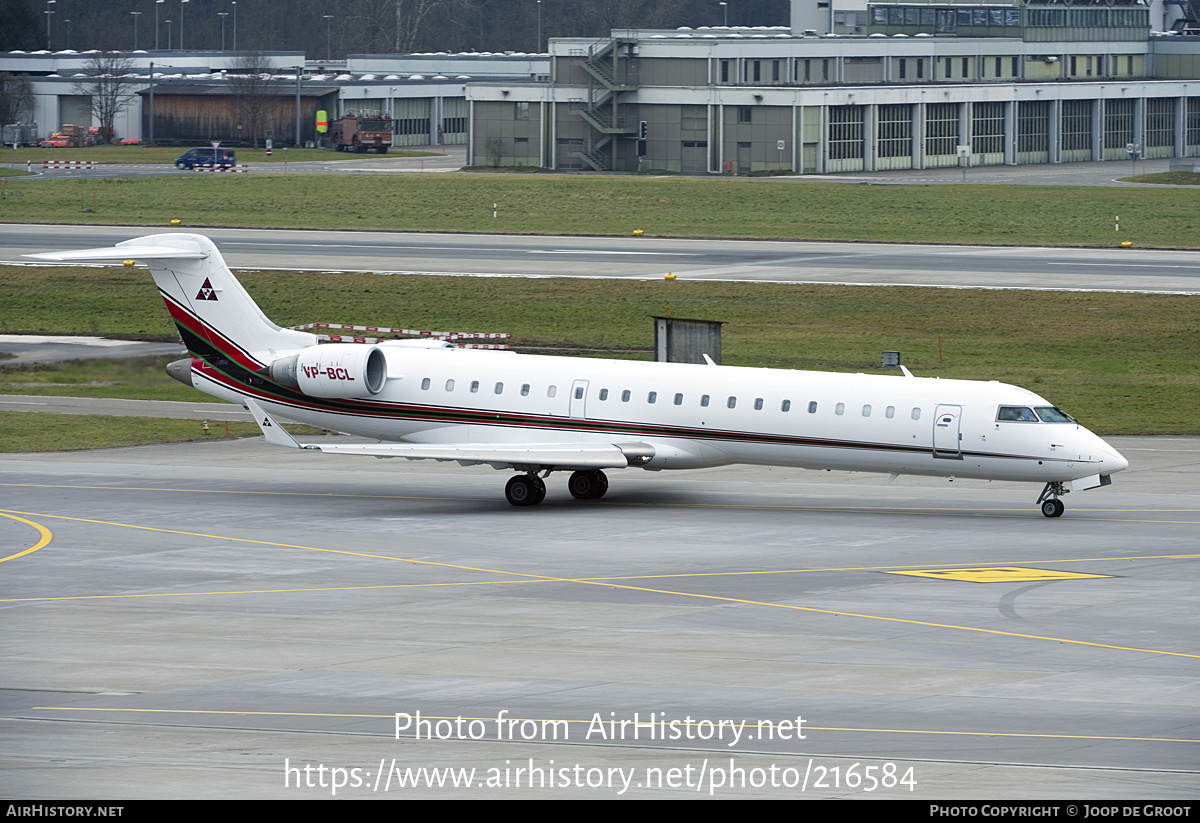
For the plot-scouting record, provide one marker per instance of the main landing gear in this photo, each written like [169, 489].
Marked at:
[529, 490]
[1051, 505]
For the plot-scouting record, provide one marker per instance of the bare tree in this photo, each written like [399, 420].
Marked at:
[111, 85]
[16, 98]
[254, 88]
[494, 148]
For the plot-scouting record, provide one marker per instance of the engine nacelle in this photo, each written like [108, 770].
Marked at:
[333, 370]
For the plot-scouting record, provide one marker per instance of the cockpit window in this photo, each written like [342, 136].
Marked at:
[1051, 414]
[1020, 414]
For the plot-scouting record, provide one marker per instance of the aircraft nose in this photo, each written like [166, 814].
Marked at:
[1114, 461]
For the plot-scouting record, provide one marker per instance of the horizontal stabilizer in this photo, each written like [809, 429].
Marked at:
[111, 253]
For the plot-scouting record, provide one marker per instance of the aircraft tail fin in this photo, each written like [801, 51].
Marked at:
[216, 317]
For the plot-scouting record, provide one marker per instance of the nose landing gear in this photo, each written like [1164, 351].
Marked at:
[1048, 500]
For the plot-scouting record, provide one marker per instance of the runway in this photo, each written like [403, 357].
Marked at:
[207, 620]
[652, 258]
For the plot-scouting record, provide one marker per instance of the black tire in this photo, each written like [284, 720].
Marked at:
[1053, 507]
[180, 166]
[382, 149]
[587, 485]
[521, 491]
[539, 489]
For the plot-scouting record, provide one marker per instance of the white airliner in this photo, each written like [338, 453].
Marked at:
[423, 399]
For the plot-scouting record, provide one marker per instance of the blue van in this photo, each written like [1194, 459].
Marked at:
[206, 157]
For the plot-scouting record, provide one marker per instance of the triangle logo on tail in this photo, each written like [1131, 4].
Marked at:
[207, 292]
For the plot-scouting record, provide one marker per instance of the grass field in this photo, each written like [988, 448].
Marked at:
[593, 205]
[1121, 363]
[39, 432]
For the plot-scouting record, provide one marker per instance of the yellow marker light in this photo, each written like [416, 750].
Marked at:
[176, 222]
[1127, 245]
[638, 232]
[127, 263]
[669, 276]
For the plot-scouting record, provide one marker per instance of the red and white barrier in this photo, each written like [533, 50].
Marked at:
[69, 164]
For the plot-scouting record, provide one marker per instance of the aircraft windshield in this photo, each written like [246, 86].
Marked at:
[1019, 414]
[1051, 414]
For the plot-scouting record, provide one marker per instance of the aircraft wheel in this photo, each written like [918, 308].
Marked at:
[587, 485]
[1053, 507]
[522, 490]
[539, 489]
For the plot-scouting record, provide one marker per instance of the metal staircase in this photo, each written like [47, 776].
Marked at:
[611, 71]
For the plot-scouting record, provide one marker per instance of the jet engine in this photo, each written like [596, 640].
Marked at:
[333, 370]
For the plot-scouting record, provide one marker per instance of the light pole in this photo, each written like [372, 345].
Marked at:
[234, 4]
[135, 15]
[538, 50]
[168, 22]
[328, 37]
[49, 17]
[725, 6]
[181, 4]
[222, 15]
[157, 3]
[68, 22]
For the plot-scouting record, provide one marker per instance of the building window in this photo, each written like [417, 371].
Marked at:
[757, 70]
[724, 71]
[744, 114]
[920, 68]
[522, 110]
[774, 71]
[903, 68]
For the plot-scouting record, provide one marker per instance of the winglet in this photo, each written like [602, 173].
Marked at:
[275, 433]
[904, 369]
[708, 360]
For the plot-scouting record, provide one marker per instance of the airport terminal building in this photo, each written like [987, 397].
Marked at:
[907, 85]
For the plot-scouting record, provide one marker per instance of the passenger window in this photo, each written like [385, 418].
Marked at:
[731, 402]
[840, 408]
[625, 396]
[450, 385]
[889, 412]
[704, 400]
[474, 386]
[812, 407]
[604, 394]
[499, 388]
[867, 411]
[678, 399]
[579, 392]
[425, 384]
[758, 404]
[787, 406]
[916, 414]
[652, 397]
[524, 389]
[551, 391]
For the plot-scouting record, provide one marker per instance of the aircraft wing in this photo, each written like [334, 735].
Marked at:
[521, 456]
